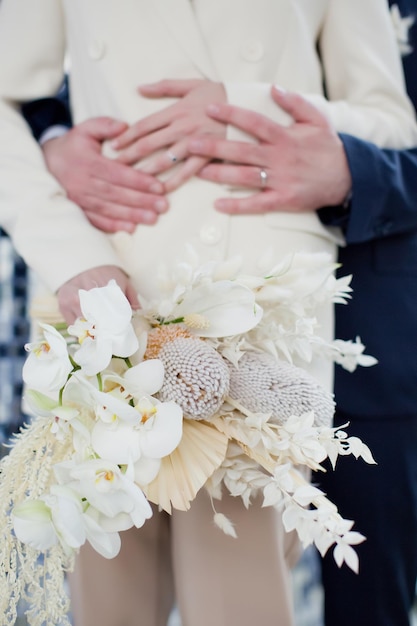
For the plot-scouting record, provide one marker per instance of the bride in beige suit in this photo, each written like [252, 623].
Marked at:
[241, 46]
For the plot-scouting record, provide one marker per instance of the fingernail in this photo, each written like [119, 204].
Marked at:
[221, 204]
[161, 205]
[213, 108]
[127, 226]
[156, 188]
[280, 89]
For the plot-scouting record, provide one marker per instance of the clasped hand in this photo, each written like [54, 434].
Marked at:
[113, 194]
[304, 164]
[170, 130]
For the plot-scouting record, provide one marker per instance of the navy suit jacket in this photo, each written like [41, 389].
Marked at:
[46, 112]
[381, 233]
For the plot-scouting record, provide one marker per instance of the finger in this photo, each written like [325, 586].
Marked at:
[114, 225]
[105, 193]
[224, 150]
[258, 126]
[151, 143]
[102, 128]
[143, 127]
[132, 296]
[191, 167]
[114, 211]
[244, 176]
[69, 304]
[169, 88]
[165, 161]
[122, 175]
[298, 107]
[262, 202]
[109, 225]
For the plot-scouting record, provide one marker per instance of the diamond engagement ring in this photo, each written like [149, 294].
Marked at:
[264, 178]
[172, 157]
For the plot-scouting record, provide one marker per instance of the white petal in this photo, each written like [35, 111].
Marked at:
[166, 431]
[116, 524]
[45, 374]
[55, 340]
[119, 443]
[126, 343]
[115, 405]
[229, 307]
[107, 306]
[67, 518]
[141, 512]
[105, 543]
[146, 378]
[94, 355]
[110, 503]
[146, 469]
[39, 403]
[32, 522]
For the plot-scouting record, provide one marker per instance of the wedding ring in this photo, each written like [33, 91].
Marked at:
[264, 178]
[172, 157]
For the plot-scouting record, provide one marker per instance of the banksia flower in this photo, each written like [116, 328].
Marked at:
[196, 376]
[264, 385]
[162, 335]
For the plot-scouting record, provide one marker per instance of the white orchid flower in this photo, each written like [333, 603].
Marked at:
[105, 330]
[59, 516]
[54, 517]
[72, 413]
[46, 406]
[219, 309]
[144, 379]
[155, 431]
[106, 489]
[48, 365]
[32, 523]
[103, 540]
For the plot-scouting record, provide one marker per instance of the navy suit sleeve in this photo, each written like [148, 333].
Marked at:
[46, 112]
[384, 199]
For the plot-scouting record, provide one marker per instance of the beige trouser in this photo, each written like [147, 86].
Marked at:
[219, 581]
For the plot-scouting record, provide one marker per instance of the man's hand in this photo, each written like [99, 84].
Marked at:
[68, 299]
[113, 195]
[305, 163]
[171, 128]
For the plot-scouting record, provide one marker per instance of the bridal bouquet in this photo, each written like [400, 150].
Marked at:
[203, 387]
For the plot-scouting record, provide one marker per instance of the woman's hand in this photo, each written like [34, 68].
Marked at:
[68, 299]
[298, 168]
[112, 195]
[171, 128]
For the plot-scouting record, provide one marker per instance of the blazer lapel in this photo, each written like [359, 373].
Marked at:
[179, 18]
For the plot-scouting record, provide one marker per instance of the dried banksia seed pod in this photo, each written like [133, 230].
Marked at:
[161, 335]
[264, 385]
[196, 376]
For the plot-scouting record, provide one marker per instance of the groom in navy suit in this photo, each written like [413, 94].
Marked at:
[380, 227]
[379, 402]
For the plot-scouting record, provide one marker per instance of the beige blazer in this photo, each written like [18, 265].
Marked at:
[111, 47]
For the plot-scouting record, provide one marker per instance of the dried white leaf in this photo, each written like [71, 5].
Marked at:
[345, 554]
[224, 524]
[306, 494]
